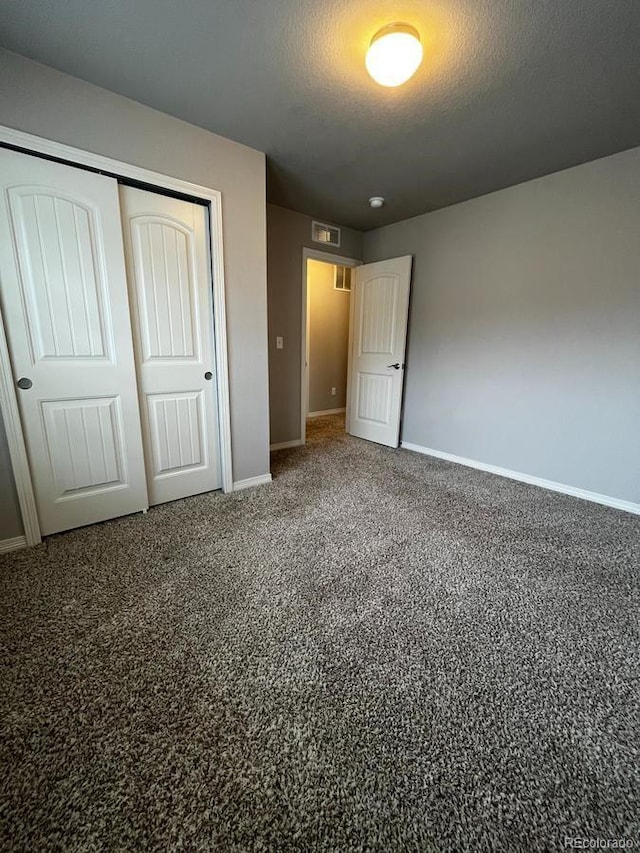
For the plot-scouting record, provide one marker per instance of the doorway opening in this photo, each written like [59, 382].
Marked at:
[326, 322]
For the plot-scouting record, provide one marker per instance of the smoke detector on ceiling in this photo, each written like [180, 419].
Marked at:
[376, 201]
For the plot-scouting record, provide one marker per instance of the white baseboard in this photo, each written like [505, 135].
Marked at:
[283, 445]
[326, 412]
[583, 494]
[12, 544]
[251, 481]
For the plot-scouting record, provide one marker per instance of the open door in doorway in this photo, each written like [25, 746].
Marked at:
[378, 342]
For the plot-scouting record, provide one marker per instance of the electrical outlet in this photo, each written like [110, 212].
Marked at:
[333, 392]
[279, 342]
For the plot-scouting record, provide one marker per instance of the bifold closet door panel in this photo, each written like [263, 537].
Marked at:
[169, 271]
[65, 307]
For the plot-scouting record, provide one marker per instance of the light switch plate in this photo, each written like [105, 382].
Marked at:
[279, 342]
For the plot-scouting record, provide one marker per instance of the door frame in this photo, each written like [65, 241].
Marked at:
[329, 258]
[28, 143]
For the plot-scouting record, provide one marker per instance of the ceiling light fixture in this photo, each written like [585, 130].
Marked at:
[394, 55]
[376, 201]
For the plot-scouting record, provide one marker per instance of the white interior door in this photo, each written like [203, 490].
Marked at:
[64, 300]
[379, 334]
[167, 251]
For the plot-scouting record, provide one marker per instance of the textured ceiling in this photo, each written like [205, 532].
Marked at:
[509, 89]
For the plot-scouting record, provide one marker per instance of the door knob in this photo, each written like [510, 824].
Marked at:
[208, 375]
[395, 366]
[24, 383]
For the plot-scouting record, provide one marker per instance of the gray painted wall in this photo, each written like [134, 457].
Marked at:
[10, 517]
[288, 233]
[328, 338]
[45, 102]
[524, 337]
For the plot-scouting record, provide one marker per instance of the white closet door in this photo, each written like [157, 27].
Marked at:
[64, 300]
[167, 251]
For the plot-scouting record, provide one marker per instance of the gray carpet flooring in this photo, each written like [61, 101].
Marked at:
[377, 652]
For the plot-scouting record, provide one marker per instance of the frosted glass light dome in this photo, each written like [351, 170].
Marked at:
[394, 55]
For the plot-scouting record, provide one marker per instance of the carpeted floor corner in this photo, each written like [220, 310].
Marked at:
[377, 652]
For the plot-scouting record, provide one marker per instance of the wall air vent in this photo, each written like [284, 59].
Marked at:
[327, 234]
[343, 278]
